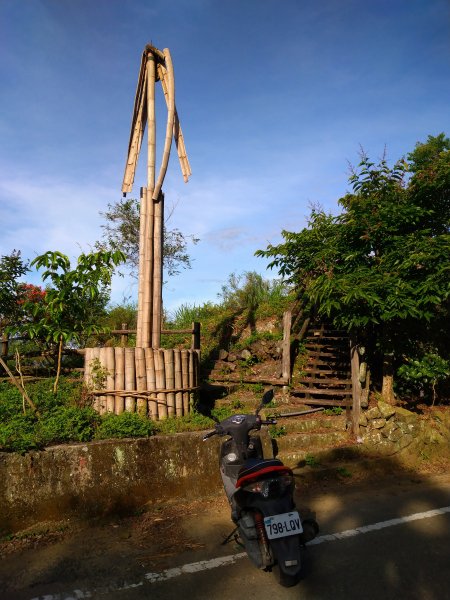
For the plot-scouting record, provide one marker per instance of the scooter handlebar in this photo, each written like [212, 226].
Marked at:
[208, 435]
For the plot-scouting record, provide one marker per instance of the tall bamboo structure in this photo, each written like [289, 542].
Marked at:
[146, 379]
[156, 65]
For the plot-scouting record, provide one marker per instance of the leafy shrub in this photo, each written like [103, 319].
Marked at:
[125, 425]
[68, 424]
[192, 422]
[423, 374]
[18, 434]
[336, 410]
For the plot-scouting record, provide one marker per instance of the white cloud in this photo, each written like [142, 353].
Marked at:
[41, 214]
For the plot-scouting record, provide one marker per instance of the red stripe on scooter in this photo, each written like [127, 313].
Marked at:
[256, 475]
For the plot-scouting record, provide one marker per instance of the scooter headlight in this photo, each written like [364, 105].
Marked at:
[270, 488]
[231, 457]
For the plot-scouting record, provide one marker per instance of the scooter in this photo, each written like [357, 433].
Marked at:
[261, 496]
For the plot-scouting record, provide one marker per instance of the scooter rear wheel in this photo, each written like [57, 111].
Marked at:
[285, 579]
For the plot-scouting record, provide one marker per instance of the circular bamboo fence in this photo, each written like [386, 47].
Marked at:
[157, 383]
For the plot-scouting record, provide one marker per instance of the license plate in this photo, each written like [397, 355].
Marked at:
[283, 525]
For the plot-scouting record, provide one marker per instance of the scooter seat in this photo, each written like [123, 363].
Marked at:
[257, 467]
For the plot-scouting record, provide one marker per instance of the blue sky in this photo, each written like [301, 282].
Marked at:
[274, 96]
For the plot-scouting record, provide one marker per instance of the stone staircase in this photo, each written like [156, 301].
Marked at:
[326, 379]
[312, 441]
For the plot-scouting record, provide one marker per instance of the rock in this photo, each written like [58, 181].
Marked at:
[401, 414]
[223, 354]
[232, 357]
[377, 423]
[362, 420]
[386, 410]
[389, 428]
[246, 354]
[395, 435]
[365, 398]
[376, 443]
[403, 442]
[373, 413]
[409, 428]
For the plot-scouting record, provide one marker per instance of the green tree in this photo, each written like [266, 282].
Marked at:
[74, 301]
[121, 232]
[382, 266]
[12, 268]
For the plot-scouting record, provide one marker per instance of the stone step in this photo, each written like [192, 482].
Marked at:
[311, 425]
[319, 462]
[295, 442]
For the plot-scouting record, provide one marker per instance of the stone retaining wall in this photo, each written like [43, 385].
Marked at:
[387, 429]
[106, 477]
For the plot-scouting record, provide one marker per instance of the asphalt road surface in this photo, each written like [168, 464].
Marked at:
[378, 541]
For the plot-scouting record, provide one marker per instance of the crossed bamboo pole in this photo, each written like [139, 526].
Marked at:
[156, 65]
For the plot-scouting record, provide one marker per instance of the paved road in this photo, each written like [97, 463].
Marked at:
[401, 550]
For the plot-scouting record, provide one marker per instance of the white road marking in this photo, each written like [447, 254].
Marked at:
[376, 526]
[222, 561]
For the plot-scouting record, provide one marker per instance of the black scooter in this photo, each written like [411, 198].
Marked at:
[260, 491]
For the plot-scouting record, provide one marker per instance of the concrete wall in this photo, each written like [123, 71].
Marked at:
[106, 477]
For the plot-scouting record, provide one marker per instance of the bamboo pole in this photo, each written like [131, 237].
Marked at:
[170, 123]
[148, 284]
[160, 383]
[137, 131]
[87, 367]
[170, 380]
[185, 379]
[178, 383]
[157, 270]
[119, 379]
[99, 401]
[100, 382]
[140, 332]
[177, 132]
[151, 122]
[192, 382]
[141, 380]
[130, 379]
[109, 364]
[149, 251]
[151, 382]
